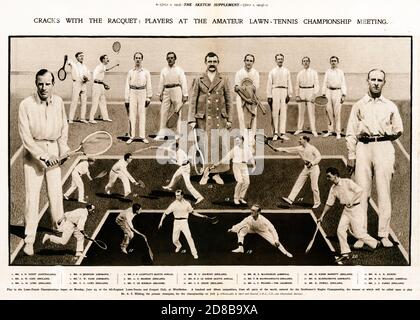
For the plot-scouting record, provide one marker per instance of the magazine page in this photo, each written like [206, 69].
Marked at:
[209, 150]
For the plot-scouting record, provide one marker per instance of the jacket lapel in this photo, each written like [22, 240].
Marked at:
[205, 80]
[217, 79]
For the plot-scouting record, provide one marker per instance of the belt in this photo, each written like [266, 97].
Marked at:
[98, 81]
[137, 88]
[332, 88]
[355, 204]
[171, 85]
[45, 140]
[369, 139]
[180, 218]
[185, 163]
[282, 87]
[311, 87]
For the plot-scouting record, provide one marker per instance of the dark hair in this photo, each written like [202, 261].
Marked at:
[136, 207]
[211, 55]
[278, 54]
[380, 70]
[127, 156]
[332, 57]
[90, 160]
[78, 53]
[90, 206]
[306, 138]
[102, 57]
[43, 72]
[306, 57]
[170, 52]
[179, 191]
[333, 171]
[138, 52]
[257, 206]
[249, 55]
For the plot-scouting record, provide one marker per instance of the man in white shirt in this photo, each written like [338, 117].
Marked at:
[125, 221]
[43, 129]
[119, 171]
[247, 113]
[240, 155]
[82, 168]
[335, 89]
[80, 75]
[349, 195]
[311, 157]
[181, 209]
[184, 171]
[279, 91]
[172, 90]
[138, 92]
[307, 86]
[257, 223]
[98, 89]
[72, 224]
[373, 124]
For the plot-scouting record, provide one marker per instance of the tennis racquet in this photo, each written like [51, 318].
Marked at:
[98, 242]
[198, 157]
[321, 101]
[116, 47]
[94, 144]
[62, 74]
[101, 174]
[318, 226]
[147, 243]
[172, 120]
[144, 149]
[262, 138]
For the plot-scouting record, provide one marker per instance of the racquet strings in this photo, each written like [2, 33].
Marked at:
[96, 143]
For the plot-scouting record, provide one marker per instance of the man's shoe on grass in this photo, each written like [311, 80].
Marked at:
[28, 249]
[218, 179]
[343, 257]
[199, 200]
[387, 243]
[45, 238]
[286, 199]
[239, 249]
[358, 244]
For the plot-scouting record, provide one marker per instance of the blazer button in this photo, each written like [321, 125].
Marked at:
[217, 100]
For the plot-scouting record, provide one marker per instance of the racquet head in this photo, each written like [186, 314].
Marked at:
[62, 74]
[321, 101]
[96, 143]
[101, 244]
[198, 161]
[116, 46]
[172, 120]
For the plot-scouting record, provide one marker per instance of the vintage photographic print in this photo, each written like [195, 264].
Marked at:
[210, 151]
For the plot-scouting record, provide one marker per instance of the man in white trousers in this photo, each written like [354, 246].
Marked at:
[311, 157]
[73, 224]
[125, 221]
[181, 209]
[43, 129]
[247, 119]
[119, 171]
[184, 171]
[349, 194]
[257, 223]
[172, 90]
[279, 91]
[98, 90]
[80, 75]
[373, 124]
[307, 87]
[82, 168]
[138, 92]
[240, 155]
[335, 89]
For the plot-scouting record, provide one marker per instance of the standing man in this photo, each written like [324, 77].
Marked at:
[125, 222]
[138, 92]
[81, 169]
[307, 86]
[72, 224]
[257, 223]
[43, 129]
[311, 157]
[249, 79]
[279, 91]
[373, 124]
[210, 113]
[240, 155]
[181, 209]
[349, 194]
[184, 171]
[98, 89]
[119, 171]
[335, 89]
[80, 75]
[172, 90]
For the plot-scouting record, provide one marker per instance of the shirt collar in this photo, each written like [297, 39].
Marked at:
[39, 101]
[368, 98]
